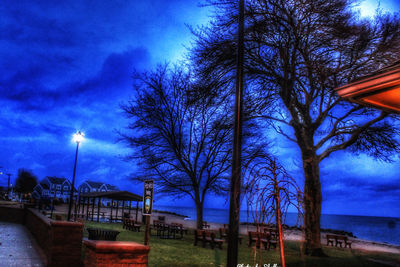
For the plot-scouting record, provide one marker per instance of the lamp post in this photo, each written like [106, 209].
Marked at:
[234, 207]
[78, 137]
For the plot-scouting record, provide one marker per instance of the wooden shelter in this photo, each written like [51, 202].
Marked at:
[381, 89]
[90, 199]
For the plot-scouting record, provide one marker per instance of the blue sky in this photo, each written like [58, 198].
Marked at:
[67, 66]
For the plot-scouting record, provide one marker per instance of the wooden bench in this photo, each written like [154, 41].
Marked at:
[207, 237]
[223, 234]
[160, 228]
[130, 224]
[199, 237]
[177, 228]
[343, 239]
[253, 237]
[267, 240]
[339, 240]
[272, 231]
[330, 239]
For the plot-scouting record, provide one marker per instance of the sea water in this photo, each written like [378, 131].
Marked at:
[381, 229]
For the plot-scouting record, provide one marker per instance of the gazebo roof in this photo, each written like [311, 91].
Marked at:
[379, 89]
[116, 195]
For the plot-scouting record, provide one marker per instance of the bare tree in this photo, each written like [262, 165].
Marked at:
[270, 190]
[296, 53]
[181, 141]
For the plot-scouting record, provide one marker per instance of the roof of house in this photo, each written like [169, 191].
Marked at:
[94, 184]
[44, 186]
[116, 195]
[56, 180]
[111, 187]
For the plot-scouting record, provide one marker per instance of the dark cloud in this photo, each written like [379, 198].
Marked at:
[114, 79]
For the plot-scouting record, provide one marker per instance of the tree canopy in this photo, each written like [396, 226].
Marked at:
[296, 53]
[25, 182]
[181, 141]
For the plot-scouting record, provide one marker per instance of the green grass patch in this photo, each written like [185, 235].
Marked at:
[169, 252]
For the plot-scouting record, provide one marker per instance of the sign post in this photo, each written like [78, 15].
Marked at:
[147, 207]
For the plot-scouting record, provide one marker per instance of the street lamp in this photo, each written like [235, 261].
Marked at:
[78, 137]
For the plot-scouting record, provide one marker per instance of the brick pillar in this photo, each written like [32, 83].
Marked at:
[99, 253]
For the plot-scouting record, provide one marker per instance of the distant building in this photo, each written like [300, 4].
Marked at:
[108, 187]
[91, 186]
[53, 187]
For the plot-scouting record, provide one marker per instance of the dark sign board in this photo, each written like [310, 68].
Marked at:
[148, 197]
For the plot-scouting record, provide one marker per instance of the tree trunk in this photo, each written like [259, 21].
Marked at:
[199, 210]
[312, 204]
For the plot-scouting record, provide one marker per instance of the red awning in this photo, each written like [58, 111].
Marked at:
[380, 89]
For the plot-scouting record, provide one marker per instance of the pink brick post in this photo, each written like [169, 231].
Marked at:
[100, 253]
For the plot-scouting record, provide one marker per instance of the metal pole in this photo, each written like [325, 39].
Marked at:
[83, 207]
[137, 209]
[234, 208]
[112, 204]
[116, 213]
[94, 200]
[123, 208]
[8, 188]
[147, 232]
[73, 183]
[98, 209]
[87, 208]
[79, 204]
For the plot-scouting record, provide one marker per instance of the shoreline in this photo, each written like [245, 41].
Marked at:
[290, 233]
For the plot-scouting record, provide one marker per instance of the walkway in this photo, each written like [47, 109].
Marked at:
[17, 246]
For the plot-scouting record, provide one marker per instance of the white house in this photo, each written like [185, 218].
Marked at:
[53, 187]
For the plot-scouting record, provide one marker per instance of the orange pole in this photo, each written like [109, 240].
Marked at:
[280, 232]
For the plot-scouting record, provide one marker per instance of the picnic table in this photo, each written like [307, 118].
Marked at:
[102, 234]
[206, 236]
[223, 234]
[262, 238]
[168, 231]
[130, 224]
[338, 239]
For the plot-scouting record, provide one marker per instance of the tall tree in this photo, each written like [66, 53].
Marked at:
[25, 182]
[181, 140]
[296, 53]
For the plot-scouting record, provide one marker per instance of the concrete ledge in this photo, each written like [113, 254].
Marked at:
[115, 253]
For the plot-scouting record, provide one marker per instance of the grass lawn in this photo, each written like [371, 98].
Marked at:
[168, 252]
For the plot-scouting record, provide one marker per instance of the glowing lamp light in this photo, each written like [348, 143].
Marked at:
[78, 137]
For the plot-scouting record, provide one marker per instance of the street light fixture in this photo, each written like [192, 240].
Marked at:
[78, 138]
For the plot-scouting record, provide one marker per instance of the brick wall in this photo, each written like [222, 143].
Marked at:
[100, 253]
[66, 247]
[12, 213]
[61, 241]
